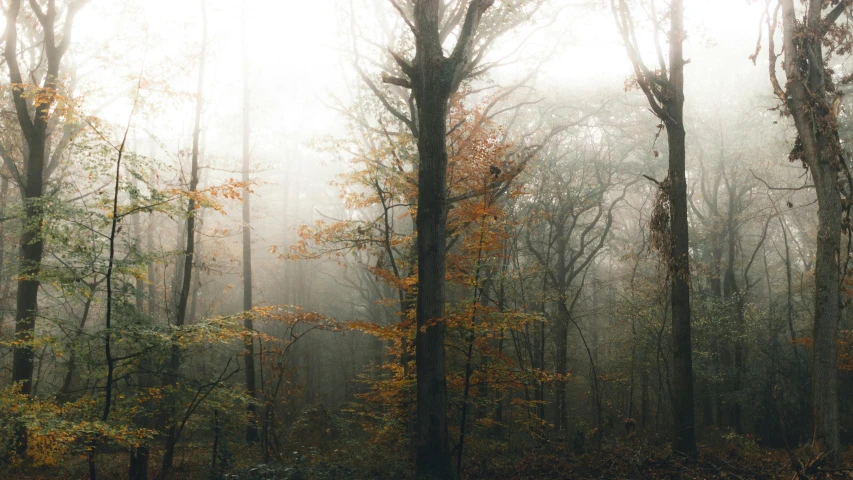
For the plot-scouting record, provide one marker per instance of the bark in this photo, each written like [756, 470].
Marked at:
[682, 360]
[827, 311]
[810, 104]
[433, 456]
[433, 79]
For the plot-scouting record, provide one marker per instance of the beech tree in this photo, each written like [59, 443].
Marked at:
[433, 78]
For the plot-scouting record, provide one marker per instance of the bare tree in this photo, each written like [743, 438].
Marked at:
[572, 199]
[664, 89]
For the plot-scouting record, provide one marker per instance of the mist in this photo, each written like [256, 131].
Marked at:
[425, 239]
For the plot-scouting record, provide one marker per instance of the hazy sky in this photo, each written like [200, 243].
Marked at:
[297, 59]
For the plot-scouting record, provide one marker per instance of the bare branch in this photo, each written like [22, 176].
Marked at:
[404, 17]
[400, 82]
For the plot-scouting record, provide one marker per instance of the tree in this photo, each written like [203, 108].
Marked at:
[433, 78]
[571, 221]
[36, 128]
[249, 354]
[811, 99]
[664, 89]
[189, 250]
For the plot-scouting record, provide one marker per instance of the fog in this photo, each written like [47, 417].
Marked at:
[427, 239]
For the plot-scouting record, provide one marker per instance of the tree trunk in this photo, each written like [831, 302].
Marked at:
[665, 93]
[189, 252]
[433, 454]
[827, 311]
[818, 145]
[433, 78]
[682, 359]
[561, 366]
[249, 354]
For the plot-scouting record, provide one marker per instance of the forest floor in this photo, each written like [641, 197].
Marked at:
[637, 460]
[625, 459]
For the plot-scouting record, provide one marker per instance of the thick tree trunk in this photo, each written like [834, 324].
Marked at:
[818, 145]
[827, 312]
[433, 454]
[682, 360]
[433, 78]
[32, 249]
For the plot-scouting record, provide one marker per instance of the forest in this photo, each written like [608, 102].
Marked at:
[426, 239]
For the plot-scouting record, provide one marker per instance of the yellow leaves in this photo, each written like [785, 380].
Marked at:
[54, 430]
[138, 272]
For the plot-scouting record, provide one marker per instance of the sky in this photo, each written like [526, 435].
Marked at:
[297, 57]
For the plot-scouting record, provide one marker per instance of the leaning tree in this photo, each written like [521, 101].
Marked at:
[809, 95]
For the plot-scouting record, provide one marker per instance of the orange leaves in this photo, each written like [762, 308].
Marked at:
[394, 331]
[212, 197]
[845, 348]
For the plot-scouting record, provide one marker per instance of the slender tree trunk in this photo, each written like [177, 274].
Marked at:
[561, 366]
[4, 282]
[64, 394]
[189, 252]
[139, 455]
[249, 354]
